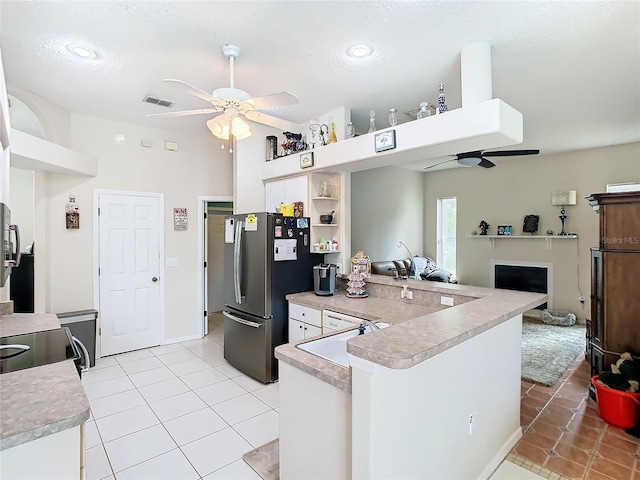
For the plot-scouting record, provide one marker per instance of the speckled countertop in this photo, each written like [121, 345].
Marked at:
[418, 332]
[38, 401]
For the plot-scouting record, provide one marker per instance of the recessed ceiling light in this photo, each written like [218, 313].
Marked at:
[360, 51]
[81, 51]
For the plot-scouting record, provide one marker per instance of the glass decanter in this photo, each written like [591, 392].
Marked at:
[372, 121]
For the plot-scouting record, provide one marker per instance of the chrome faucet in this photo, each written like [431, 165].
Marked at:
[366, 323]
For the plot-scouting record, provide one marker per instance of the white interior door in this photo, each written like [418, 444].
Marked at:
[131, 312]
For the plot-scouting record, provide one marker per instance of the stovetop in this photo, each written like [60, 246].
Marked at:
[18, 352]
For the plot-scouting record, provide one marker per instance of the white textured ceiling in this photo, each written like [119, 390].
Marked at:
[571, 68]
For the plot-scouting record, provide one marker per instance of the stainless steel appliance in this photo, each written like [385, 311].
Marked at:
[10, 259]
[324, 279]
[28, 350]
[266, 257]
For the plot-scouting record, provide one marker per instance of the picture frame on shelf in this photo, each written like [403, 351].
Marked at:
[505, 229]
[385, 140]
[531, 224]
[306, 160]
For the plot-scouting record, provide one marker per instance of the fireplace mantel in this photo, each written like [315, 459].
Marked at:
[548, 238]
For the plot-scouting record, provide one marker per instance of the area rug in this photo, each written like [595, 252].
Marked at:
[547, 350]
[265, 460]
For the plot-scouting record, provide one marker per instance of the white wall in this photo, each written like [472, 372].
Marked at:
[199, 167]
[22, 184]
[387, 207]
[503, 195]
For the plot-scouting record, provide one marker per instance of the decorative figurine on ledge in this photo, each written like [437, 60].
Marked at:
[484, 227]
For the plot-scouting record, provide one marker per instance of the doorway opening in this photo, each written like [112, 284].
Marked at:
[211, 254]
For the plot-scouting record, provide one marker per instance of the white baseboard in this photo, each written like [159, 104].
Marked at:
[169, 341]
[501, 455]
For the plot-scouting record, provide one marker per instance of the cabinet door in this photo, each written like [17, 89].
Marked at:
[274, 195]
[619, 226]
[311, 331]
[296, 330]
[295, 190]
[621, 301]
[596, 297]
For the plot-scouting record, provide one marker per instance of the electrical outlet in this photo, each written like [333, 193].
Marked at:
[446, 301]
[172, 262]
[406, 294]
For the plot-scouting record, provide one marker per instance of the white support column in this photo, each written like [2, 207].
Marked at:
[475, 66]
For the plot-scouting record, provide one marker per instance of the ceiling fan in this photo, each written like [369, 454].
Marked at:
[228, 103]
[478, 157]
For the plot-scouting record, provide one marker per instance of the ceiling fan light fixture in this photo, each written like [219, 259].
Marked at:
[469, 161]
[221, 125]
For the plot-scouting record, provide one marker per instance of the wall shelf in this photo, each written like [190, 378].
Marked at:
[547, 238]
[325, 198]
[325, 225]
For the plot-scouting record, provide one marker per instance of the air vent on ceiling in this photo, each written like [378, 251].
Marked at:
[157, 101]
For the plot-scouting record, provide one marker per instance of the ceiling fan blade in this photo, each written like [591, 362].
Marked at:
[510, 153]
[486, 163]
[439, 163]
[184, 113]
[274, 100]
[194, 90]
[275, 122]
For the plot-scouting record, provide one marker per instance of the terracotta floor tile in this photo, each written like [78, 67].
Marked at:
[614, 454]
[570, 452]
[526, 420]
[550, 430]
[540, 395]
[579, 441]
[534, 402]
[594, 475]
[578, 396]
[557, 417]
[578, 388]
[565, 467]
[539, 440]
[612, 469]
[588, 421]
[528, 410]
[570, 403]
[619, 432]
[585, 431]
[531, 452]
[619, 443]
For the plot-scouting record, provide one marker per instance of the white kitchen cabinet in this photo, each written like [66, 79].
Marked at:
[288, 191]
[304, 322]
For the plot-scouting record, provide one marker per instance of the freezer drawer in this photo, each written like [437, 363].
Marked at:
[248, 345]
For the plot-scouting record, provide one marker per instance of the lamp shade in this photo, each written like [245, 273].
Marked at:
[564, 197]
[221, 125]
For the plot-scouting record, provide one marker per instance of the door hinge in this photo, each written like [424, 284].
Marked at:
[98, 211]
[98, 271]
[205, 313]
[205, 264]
[205, 214]
[100, 331]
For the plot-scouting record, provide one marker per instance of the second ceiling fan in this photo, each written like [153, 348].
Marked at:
[478, 157]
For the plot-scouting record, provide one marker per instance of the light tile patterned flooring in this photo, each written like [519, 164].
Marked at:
[181, 411]
[564, 437]
[176, 411]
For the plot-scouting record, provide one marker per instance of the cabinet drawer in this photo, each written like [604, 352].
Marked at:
[305, 314]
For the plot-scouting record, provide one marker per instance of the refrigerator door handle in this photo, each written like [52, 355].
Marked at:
[237, 263]
[241, 320]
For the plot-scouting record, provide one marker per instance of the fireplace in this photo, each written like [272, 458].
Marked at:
[524, 276]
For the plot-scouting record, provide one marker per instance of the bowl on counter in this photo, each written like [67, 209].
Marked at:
[326, 219]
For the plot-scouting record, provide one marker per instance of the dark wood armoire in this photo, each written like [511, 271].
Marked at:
[615, 279]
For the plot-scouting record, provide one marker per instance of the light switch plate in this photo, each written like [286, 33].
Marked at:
[172, 262]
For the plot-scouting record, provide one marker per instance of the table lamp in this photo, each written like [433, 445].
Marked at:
[563, 198]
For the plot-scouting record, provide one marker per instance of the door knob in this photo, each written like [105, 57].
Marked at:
[154, 279]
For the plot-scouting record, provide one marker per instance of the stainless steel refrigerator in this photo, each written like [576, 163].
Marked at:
[267, 256]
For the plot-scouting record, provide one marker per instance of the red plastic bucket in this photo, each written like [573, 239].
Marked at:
[617, 408]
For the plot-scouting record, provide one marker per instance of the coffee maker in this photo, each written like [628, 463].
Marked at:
[324, 279]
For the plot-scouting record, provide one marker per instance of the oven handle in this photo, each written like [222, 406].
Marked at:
[241, 320]
[237, 263]
[21, 349]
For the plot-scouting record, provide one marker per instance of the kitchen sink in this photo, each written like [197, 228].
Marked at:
[334, 347]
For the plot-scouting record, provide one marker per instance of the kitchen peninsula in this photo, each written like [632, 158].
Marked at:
[42, 412]
[441, 384]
